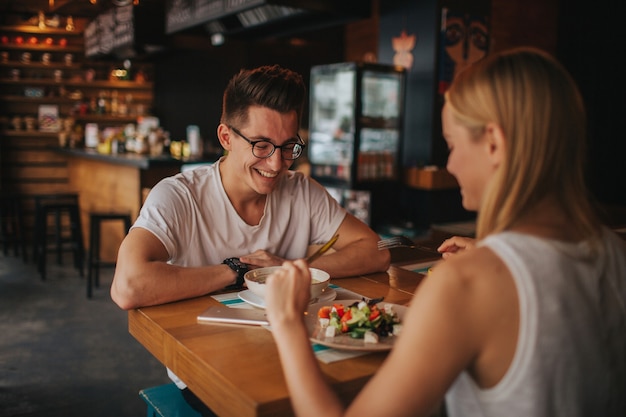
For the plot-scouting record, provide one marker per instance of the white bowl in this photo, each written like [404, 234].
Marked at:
[255, 280]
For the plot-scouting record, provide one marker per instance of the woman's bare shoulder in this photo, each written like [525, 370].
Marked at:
[476, 281]
[471, 267]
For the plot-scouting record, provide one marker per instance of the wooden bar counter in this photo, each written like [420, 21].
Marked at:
[116, 182]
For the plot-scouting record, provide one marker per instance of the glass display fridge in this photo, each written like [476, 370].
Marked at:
[355, 132]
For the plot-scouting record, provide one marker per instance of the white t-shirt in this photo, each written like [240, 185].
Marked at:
[192, 216]
[570, 358]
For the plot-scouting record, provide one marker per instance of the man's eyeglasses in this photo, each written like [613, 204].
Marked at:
[264, 148]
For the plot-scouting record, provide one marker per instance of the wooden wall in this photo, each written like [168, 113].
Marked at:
[528, 22]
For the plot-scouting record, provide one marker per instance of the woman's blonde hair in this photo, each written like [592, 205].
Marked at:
[541, 112]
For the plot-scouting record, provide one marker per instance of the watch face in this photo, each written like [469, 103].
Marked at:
[237, 264]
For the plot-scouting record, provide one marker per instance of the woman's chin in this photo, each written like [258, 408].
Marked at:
[468, 204]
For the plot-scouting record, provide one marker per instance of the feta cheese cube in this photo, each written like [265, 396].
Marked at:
[324, 322]
[397, 329]
[330, 331]
[370, 337]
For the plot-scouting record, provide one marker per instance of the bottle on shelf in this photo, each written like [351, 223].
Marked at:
[114, 103]
[122, 107]
[101, 103]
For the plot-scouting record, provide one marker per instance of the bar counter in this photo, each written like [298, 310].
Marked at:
[117, 182]
[145, 162]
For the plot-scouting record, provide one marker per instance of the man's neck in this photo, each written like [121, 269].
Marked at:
[249, 204]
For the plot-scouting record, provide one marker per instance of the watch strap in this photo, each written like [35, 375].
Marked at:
[240, 268]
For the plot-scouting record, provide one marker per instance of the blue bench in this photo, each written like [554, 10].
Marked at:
[166, 401]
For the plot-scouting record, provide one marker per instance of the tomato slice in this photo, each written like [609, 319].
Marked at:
[344, 327]
[324, 312]
[339, 308]
[346, 316]
[375, 312]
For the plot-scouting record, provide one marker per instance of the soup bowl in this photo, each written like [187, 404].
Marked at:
[255, 280]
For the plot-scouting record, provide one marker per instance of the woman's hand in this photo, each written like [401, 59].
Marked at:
[288, 293]
[454, 245]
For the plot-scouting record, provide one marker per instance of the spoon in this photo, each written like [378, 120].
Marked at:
[322, 250]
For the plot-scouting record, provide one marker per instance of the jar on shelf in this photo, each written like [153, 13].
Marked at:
[91, 135]
[69, 25]
[63, 138]
[29, 123]
[16, 122]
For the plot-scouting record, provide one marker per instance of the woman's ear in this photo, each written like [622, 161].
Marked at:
[496, 141]
[223, 135]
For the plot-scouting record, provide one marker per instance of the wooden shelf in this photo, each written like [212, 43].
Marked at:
[23, 151]
[106, 118]
[39, 65]
[102, 84]
[42, 48]
[35, 30]
[29, 134]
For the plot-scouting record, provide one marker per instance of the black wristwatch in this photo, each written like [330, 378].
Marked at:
[240, 268]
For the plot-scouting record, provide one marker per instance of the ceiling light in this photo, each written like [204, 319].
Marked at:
[217, 39]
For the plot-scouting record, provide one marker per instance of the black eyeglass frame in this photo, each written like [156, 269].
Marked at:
[301, 145]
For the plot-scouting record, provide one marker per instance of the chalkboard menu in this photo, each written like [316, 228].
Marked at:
[110, 30]
[106, 31]
[92, 42]
[124, 27]
[124, 31]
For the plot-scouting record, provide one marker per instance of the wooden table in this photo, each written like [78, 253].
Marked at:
[234, 369]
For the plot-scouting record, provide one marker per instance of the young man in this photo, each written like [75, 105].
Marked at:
[201, 230]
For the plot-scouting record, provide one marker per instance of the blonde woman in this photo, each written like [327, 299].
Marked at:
[529, 322]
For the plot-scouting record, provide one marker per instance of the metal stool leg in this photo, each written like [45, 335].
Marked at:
[94, 262]
[94, 227]
[77, 239]
[58, 236]
[20, 228]
[12, 225]
[40, 246]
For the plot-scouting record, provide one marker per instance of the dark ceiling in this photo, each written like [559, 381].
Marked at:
[320, 14]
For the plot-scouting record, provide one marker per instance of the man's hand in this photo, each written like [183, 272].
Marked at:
[261, 259]
[454, 245]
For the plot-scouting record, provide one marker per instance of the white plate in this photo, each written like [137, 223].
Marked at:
[254, 300]
[344, 341]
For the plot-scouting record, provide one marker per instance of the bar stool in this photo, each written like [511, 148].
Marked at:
[166, 401]
[94, 262]
[66, 212]
[12, 224]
